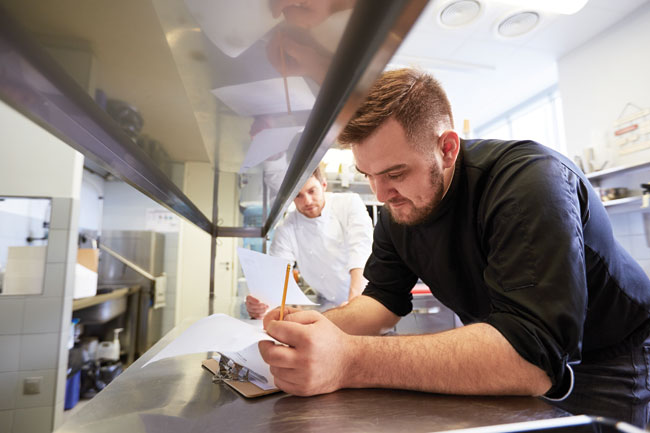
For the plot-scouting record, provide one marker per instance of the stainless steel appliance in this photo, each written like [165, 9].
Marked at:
[145, 250]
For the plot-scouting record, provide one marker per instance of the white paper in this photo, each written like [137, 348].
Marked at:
[267, 143]
[250, 358]
[266, 96]
[265, 277]
[216, 333]
[232, 26]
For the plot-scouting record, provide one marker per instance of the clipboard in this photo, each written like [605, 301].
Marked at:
[230, 374]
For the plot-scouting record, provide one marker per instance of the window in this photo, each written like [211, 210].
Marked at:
[539, 119]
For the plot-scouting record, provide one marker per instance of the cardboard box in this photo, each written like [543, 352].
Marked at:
[88, 257]
[85, 278]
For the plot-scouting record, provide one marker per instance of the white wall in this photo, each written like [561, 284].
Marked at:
[92, 202]
[30, 154]
[194, 248]
[226, 261]
[34, 329]
[596, 82]
[598, 79]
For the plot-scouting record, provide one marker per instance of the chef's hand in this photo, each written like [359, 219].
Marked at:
[318, 356]
[307, 13]
[294, 53]
[255, 308]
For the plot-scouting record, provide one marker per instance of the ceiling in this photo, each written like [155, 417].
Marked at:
[486, 75]
[132, 62]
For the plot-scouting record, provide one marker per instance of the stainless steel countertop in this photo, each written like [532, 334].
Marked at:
[177, 395]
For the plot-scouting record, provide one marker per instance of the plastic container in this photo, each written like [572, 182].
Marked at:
[72, 388]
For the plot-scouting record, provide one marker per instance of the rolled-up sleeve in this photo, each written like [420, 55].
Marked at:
[389, 279]
[535, 264]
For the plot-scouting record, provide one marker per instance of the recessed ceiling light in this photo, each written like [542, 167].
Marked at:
[459, 13]
[565, 7]
[518, 24]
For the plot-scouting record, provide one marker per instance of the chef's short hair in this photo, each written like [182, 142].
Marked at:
[412, 97]
[318, 174]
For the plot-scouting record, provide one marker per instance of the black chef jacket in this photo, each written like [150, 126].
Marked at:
[521, 242]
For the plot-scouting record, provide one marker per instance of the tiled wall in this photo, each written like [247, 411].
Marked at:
[34, 333]
[630, 232]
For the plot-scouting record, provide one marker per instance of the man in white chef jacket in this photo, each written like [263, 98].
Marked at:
[329, 236]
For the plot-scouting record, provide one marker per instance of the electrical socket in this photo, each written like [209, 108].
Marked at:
[32, 385]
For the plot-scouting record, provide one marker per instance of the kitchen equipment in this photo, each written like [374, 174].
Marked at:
[607, 194]
[110, 350]
[138, 254]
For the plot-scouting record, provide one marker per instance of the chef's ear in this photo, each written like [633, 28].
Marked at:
[449, 145]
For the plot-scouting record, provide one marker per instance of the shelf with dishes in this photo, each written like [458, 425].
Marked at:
[600, 174]
[636, 199]
[618, 187]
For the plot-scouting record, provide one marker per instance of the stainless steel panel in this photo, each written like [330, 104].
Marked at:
[130, 84]
[144, 248]
[102, 313]
[177, 395]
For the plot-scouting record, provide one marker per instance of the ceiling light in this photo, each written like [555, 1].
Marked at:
[564, 7]
[518, 24]
[459, 13]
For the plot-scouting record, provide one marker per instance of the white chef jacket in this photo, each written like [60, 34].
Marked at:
[328, 246]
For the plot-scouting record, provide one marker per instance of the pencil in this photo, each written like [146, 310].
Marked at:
[284, 293]
[284, 76]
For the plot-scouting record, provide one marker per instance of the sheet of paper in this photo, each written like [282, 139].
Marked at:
[250, 358]
[216, 333]
[232, 26]
[267, 143]
[265, 278]
[266, 96]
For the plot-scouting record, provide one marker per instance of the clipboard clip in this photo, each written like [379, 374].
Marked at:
[230, 370]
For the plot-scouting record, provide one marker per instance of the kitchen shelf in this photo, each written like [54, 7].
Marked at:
[622, 201]
[617, 170]
[79, 304]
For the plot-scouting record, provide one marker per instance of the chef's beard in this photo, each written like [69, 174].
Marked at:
[418, 215]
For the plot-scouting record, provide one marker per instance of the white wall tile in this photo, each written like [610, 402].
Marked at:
[640, 249]
[8, 384]
[59, 385]
[58, 415]
[10, 353]
[62, 366]
[637, 225]
[57, 246]
[11, 315]
[620, 224]
[54, 283]
[60, 218]
[6, 420]
[70, 272]
[39, 351]
[34, 420]
[42, 315]
[66, 319]
[44, 398]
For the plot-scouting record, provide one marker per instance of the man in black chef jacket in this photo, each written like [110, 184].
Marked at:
[511, 237]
